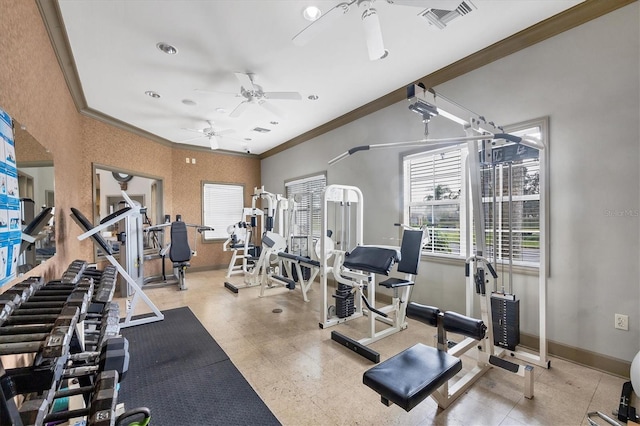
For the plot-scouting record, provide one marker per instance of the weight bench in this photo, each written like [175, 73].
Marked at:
[409, 377]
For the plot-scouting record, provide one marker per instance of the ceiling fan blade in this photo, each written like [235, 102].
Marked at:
[225, 132]
[239, 109]
[213, 141]
[294, 96]
[191, 139]
[193, 130]
[321, 24]
[272, 109]
[245, 80]
[372, 31]
[215, 92]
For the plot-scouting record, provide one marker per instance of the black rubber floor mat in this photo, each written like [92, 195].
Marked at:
[185, 378]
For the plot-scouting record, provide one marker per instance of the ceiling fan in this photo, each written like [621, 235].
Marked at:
[437, 13]
[211, 133]
[254, 94]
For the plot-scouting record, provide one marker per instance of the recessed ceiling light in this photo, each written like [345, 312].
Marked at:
[152, 94]
[167, 48]
[189, 102]
[312, 97]
[221, 110]
[311, 13]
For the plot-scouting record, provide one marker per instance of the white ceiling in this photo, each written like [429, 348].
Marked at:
[113, 45]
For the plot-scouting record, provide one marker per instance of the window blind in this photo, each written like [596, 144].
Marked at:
[222, 205]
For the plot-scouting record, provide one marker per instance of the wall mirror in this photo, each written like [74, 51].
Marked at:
[37, 193]
[108, 184]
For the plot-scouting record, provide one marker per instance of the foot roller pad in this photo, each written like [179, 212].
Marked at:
[407, 378]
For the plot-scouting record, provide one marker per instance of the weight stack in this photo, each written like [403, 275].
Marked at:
[344, 301]
[505, 314]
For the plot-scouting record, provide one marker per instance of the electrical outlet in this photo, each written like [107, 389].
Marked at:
[193, 161]
[187, 160]
[622, 322]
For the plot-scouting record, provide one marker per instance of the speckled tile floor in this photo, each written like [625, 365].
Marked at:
[307, 379]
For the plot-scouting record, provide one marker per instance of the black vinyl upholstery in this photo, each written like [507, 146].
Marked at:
[410, 248]
[179, 252]
[454, 322]
[39, 222]
[378, 260]
[407, 378]
[423, 313]
[87, 226]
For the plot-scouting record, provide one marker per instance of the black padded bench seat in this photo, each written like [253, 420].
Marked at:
[409, 377]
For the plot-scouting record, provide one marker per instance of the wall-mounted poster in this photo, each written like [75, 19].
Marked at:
[10, 226]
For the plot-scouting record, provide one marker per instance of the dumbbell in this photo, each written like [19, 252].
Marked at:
[105, 283]
[48, 300]
[50, 339]
[74, 272]
[102, 327]
[113, 355]
[101, 410]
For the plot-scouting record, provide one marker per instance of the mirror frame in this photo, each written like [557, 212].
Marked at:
[20, 131]
[119, 171]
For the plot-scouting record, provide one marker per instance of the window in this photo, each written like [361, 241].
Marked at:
[434, 188]
[308, 213]
[436, 196]
[222, 205]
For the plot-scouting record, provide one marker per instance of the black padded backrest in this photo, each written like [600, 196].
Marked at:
[36, 225]
[114, 214]
[87, 226]
[180, 250]
[410, 250]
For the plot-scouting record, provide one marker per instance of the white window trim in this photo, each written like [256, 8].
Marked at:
[466, 212]
[231, 213]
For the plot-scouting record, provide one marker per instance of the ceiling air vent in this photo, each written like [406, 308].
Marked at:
[261, 130]
[440, 18]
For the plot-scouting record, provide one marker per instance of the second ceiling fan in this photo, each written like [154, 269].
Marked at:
[254, 94]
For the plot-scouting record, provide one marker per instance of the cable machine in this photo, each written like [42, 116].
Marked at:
[488, 145]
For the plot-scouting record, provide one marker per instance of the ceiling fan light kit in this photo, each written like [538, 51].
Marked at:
[438, 13]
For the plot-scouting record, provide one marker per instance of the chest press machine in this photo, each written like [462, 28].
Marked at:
[420, 371]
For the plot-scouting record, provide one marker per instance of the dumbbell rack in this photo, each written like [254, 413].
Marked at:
[68, 328]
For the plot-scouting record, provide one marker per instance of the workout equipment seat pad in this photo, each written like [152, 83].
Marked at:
[378, 260]
[407, 378]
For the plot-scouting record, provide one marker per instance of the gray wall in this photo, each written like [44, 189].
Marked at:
[587, 81]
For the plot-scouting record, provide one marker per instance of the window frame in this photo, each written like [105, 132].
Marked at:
[466, 210]
[312, 177]
[219, 230]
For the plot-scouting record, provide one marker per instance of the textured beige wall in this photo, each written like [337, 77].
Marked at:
[33, 91]
[187, 192]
